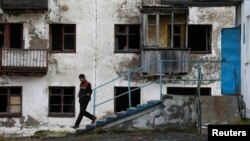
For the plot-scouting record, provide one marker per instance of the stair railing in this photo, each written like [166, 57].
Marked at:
[160, 80]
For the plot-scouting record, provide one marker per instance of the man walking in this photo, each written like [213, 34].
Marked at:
[84, 96]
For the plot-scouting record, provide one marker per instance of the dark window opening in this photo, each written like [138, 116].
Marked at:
[10, 101]
[11, 35]
[127, 38]
[1, 36]
[62, 101]
[179, 34]
[188, 91]
[63, 37]
[122, 102]
[199, 38]
[15, 35]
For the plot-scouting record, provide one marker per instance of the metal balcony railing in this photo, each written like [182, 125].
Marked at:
[37, 5]
[23, 60]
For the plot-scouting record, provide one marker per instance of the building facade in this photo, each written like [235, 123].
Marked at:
[45, 46]
[245, 44]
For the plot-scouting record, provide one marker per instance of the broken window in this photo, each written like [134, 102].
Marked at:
[127, 38]
[61, 101]
[10, 101]
[122, 102]
[188, 91]
[158, 30]
[199, 38]
[11, 35]
[63, 37]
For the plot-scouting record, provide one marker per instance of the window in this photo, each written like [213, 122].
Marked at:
[122, 102]
[158, 29]
[10, 101]
[178, 36]
[199, 38]
[127, 38]
[187, 91]
[11, 35]
[62, 101]
[63, 37]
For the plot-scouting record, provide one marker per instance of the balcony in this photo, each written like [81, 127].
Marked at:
[178, 66]
[24, 61]
[24, 5]
[208, 3]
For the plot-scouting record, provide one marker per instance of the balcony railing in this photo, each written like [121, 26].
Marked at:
[179, 58]
[202, 2]
[24, 61]
[25, 5]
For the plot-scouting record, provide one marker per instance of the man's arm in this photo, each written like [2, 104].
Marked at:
[89, 89]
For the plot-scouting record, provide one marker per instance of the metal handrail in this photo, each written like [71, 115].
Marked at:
[128, 74]
[198, 101]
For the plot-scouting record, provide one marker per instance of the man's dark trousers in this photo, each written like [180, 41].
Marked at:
[83, 106]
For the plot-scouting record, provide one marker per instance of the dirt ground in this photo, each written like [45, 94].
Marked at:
[128, 136]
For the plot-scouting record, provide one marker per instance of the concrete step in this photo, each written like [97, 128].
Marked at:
[111, 118]
[141, 107]
[152, 102]
[121, 114]
[90, 126]
[100, 122]
[131, 110]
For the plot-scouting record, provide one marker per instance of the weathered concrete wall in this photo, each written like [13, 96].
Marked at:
[179, 112]
[94, 57]
[245, 57]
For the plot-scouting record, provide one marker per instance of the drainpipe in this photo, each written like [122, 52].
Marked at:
[95, 56]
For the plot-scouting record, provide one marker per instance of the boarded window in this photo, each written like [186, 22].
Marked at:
[10, 101]
[199, 38]
[62, 101]
[11, 35]
[63, 37]
[127, 38]
[187, 91]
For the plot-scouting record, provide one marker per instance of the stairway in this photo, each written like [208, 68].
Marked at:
[120, 116]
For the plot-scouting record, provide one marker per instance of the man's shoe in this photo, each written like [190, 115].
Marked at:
[93, 120]
[75, 127]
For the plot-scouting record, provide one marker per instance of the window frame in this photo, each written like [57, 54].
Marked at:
[61, 114]
[7, 40]
[8, 114]
[63, 50]
[209, 42]
[116, 50]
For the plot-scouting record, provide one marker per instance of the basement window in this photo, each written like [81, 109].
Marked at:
[10, 101]
[11, 35]
[199, 38]
[122, 102]
[61, 101]
[188, 91]
[63, 37]
[127, 38]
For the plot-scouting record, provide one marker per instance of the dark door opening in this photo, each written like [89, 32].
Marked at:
[187, 91]
[122, 102]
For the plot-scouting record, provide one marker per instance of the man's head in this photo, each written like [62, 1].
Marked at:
[82, 77]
